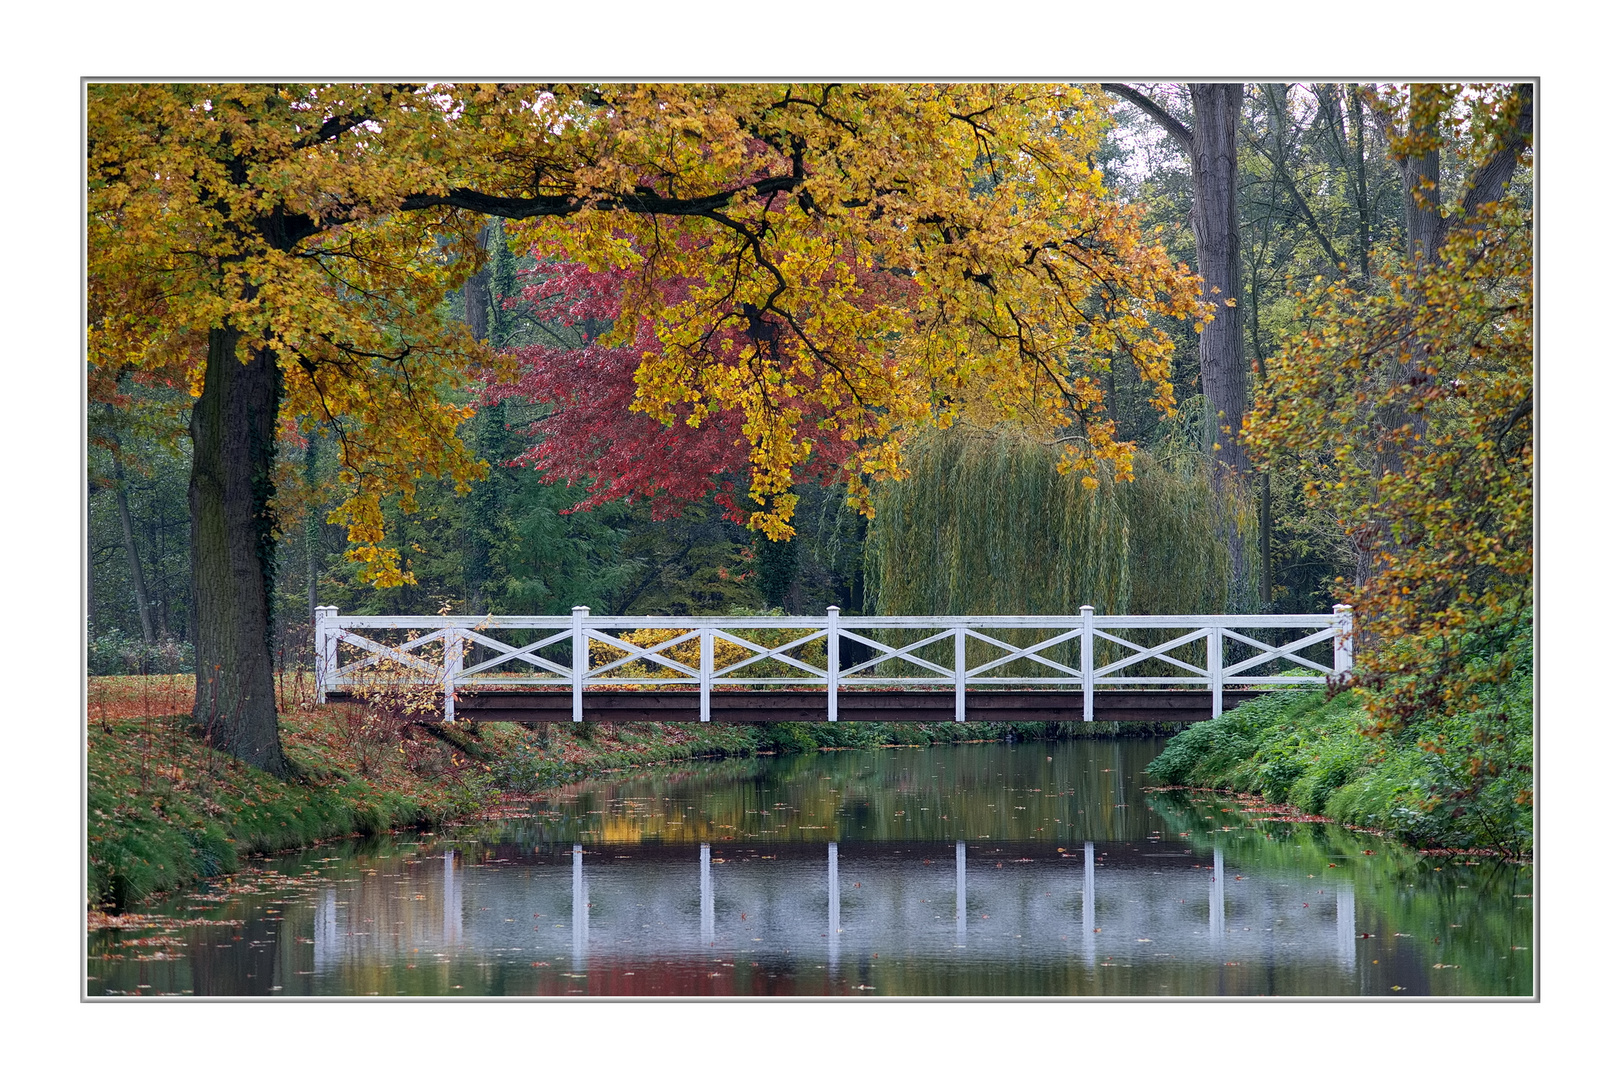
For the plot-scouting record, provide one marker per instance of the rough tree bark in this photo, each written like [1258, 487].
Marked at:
[1220, 261]
[233, 433]
[1211, 145]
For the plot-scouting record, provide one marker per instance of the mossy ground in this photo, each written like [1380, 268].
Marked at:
[165, 809]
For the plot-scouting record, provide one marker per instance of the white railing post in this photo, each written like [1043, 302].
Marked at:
[1088, 663]
[325, 652]
[1217, 675]
[705, 671]
[832, 663]
[961, 674]
[1343, 642]
[582, 660]
[453, 647]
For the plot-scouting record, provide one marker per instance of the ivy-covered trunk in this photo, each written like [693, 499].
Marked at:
[233, 433]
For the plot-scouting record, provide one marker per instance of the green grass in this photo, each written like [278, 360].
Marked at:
[1443, 782]
[165, 810]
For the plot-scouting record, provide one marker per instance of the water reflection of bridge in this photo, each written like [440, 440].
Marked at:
[987, 901]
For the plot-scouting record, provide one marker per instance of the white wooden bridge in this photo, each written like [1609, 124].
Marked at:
[504, 665]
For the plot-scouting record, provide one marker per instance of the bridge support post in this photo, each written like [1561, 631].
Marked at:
[705, 671]
[833, 664]
[325, 652]
[582, 661]
[961, 674]
[1217, 674]
[1343, 642]
[1088, 662]
[454, 647]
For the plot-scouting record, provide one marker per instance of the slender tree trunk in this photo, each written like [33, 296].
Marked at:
[90, 573]
[475, 295]
[233, 432]
[312, 524]
[482, 299]
[1363, 210]
[137, 576]
[1266, 583]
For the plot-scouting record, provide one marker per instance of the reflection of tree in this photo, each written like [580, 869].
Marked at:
[1084, 792]
[1403, 891]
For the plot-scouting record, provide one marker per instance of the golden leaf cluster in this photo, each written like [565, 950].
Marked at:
[882, 256]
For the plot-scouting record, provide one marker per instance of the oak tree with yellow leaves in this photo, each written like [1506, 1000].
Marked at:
[881, 252]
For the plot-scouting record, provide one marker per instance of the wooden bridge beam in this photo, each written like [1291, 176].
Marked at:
[792, 706]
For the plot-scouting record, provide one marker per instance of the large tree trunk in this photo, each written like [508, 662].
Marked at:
[1220, 346]
[233, 432]
[1215, 228]
[1212, 146]
[1422, 204]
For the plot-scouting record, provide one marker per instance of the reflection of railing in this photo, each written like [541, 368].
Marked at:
[785, 898]
[584, 651]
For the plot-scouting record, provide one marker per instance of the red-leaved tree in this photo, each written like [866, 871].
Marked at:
[593, 437]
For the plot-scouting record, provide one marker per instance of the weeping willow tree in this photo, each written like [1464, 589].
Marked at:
[987, 525]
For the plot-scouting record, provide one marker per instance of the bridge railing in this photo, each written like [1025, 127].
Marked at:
[581, 652]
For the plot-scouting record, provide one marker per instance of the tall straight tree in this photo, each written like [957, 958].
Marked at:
[284, 251]
[1211, 146]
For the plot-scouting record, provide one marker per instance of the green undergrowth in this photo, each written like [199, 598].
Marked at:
[1460, 782]
[164, 810]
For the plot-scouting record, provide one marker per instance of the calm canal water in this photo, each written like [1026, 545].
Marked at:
[985, 870]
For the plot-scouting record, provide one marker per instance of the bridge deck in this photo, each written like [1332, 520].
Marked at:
[870, 706]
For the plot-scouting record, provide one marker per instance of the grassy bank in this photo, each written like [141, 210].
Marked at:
[165, 809]
[1458, 782]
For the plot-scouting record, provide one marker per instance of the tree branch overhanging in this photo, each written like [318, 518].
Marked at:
[1176, 129]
